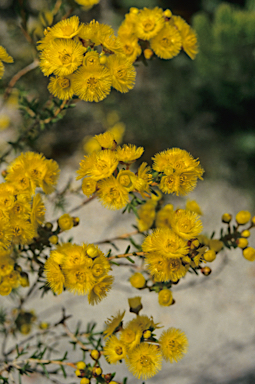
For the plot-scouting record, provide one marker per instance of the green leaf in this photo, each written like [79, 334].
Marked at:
[63, 370]
[129, 259]
[44, 370]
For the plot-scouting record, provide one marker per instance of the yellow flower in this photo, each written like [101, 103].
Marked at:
[89, 186]
[90, 145]
[186, 224]
[23, 231]
[100, 289]
[62, 57]
[129, 153]
[100, 266]
[66, 29]
[21, 207]
[13, 279]
[5, 288]
[92, 86]
[114, 350]
[131, 337]
[149, 22]
[130, 46]
[113, 323]
[99, 165]
[145, 360]
[143, 180]
[65, 222]
[79, 279]
[164, 269]
[86, 5]
[165, 297]
[163, 217]
[165, 242]
[6, 264]
[188, 35]
[54, 275]
[118, 131]
[122, 72]
[112, 194]
[91, 60]
[6, 233]
[51, 176]
[167, 43]
[137, 280]
[61, 87]
[125, 178]
[192, 205]
[173, 344]
[146, 215]
[106, 140]
[144, 322]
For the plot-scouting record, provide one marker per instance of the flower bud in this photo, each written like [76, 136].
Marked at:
[249, 253]
[24, 279]
[84, 380]
[95, 354]
[243, 217]
[246, 233]
[135, 304]
[242, 242]
[48, 226]
[53, 239]
[96, 371]
[210, 255]
[206, 271]
[92, 251]
[80, 365]
[167, 13]
[147, 334]
[44, 325]
[194, 244]
[226, 218]
[76, 221]
[102, 59]
[137, 280]
[148, 53]
[65, 222]
[165, 297]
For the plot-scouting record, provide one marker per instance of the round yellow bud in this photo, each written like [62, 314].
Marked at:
[137, 280]
[95, 354]
[80, 365]
[206, 271]
[65, 222]
[194, 244]
[249, 254]
[102, 59]
[77, 372]
[243, 217]
[210, 255]
[148, 53]
[113, 382]
[226, 218]
[97, 371]
[44, 325]
[246, 233]
[253, 220]
[167, 13]
[25, 329]
[48, 226]
[84, 380]
[165, 297]
[134, 10]
[147, 334]
[24, 279]
[53, 239]
[242, 242]
[92, 251]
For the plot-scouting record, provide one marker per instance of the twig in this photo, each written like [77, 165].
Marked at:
[127, 255]
[121, 237]
[18, 75]
[49, 119]
[82, 204]
[74, 338]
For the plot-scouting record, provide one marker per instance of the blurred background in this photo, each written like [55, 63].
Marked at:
[206, 106]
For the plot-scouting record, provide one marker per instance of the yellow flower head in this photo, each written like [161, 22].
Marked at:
[61, 87]
[173, 344]
[4, 57]
[143, 180]
[106, 140]
[51, 176]
[149, 22]
[92, 86]
[62, 58]
[38, 211]
[144, 322]
[192, 205]
[165, 297]
[118, 131]
[66, 29]
[113, 323]
[100, 289]
[23, 231]
[6, 234]
[100, 266]
[186, 224]
[131, 337]
[130, 46]
[5, 288]
[91, 60]
[129, 153]
[122, 71]
[54, 276]
[99, 165]
[6, 264]
[188, 36]
[165, 242]
[163, 217]
[79, 279]
[164, 269]
[125, 178]
[145, 360]
[114, 350]
[167, 43]
[112, 194]
[65, 222]
[89, 186]
[146, 215]
[13, 279]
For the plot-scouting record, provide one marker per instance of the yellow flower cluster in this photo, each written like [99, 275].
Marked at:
[102, 176]
[69, 52]
[11, 275]
[170, 249]
[80, 269]
[179, 171]
[136, 345]
[159, 32]
[4, 57]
